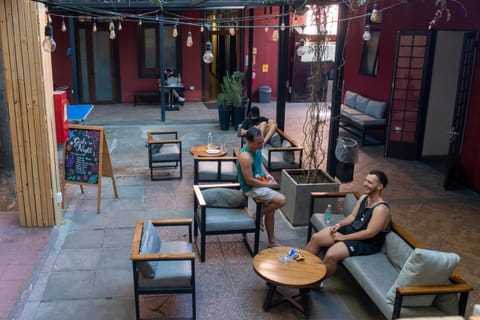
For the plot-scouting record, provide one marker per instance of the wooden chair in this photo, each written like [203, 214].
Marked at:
[214, 169]
[164, 152]
[166, 267]
[220, 209]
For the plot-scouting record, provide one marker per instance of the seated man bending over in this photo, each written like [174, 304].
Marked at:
[256, 182]
[360, 233]
[265, 125]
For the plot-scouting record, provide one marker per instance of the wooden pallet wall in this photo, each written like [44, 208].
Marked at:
[29, 90]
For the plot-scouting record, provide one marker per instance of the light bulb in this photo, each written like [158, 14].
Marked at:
[111, 26]
[140, 22]
[208, 55]
[232, 31]
[189, 39]
[64, 26]
[282, 26]
[112, 34]
[175, 31]
[119, 27]
[202, 28]
[48, 44]
[301, 48]
[366, 34]
[375, 16]
[266, 27]
[94, 28]
[275, 34]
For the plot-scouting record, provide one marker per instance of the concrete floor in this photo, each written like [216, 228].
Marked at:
[84, 272]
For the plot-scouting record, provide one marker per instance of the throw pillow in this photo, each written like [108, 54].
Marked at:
[224, 198]
[288, 156]
[397, 250]
[150, 244]
[350, 99]
[362, 103]
[376, 109]
[424, 267]
[276, 140]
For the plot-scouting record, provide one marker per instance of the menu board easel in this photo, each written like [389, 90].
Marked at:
[87, 159]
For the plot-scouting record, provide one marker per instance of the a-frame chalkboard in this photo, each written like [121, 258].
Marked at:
[87, 159]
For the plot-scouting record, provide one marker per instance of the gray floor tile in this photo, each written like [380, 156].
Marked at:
[77, 259]
[69, 285]
[76, 239]
[113, 283]
[114, 309]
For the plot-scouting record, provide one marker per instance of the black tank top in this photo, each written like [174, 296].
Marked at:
[363, 218]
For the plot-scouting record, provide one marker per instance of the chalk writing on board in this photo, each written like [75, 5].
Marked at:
[82, 155]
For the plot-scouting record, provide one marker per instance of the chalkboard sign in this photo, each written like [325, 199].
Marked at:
[87, 159]
[82, 155]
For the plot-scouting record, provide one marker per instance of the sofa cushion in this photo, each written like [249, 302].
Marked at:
[350, 99]
[276, 140]
[348, 112]
[362, 103]
[224, 198]
[367, 120]
[397, 250]
[168, 152]
[376, 109]
[222, 219]
[424, 267]
[288, 156]
[349, 203]
[150, 244]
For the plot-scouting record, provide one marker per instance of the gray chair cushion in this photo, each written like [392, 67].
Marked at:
[350, 99]
[150, 244]
[276, 140]
[365, 120]
[224, 198]
[349, 203]
[424, 267]
[319, 223]
[208, 170]
[376, 109]
[362, 103]
[227, 219]
[397, 250]
[288, 156]
[168, 152]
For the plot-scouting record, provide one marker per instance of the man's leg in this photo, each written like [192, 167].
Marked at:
[321, 239]
[334, 255]
[269, 130]
[268, 212]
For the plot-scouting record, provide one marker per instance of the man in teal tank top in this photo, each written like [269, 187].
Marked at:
[257, 183]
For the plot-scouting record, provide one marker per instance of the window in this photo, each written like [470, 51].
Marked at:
[149, 50]
[369, 62]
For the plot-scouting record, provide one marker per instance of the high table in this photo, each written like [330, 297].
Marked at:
[300, 275]
[78, 112]
[171, 87]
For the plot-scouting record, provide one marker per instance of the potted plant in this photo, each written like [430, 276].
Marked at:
[224, 110]
[239, 110]
[228, 100]
[297, 184]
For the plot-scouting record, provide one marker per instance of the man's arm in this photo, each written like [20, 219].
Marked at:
[379, 221]
[349, 219]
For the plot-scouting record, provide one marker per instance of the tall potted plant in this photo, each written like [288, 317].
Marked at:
[228, 99]
[297, 184]
[239, 110]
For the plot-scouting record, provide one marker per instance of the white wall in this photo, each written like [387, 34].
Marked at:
[442, 93]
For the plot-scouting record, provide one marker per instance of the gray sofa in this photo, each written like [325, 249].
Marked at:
[402, 279]
[363, 114]
[281, 152]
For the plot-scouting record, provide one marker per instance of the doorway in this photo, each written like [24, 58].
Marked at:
[97, 65]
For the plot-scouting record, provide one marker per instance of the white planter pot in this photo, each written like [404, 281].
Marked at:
[297, 208]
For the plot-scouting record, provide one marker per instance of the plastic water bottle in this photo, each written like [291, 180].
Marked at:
[328, 214]
[209, 141]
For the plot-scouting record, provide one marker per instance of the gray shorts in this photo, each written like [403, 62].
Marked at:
[263, 194]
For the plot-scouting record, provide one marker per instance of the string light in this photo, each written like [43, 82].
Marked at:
[275, 34]
[266, 27]
[231, 30]
[119, 26]
[140, 22]
[112, 34]
[48, 44]
[189, 39]
[94, 28]
[366, 34]
[375, 15]
[175, 31]
[202, 28]
[208, 55]
[301, 48]
[282, 26]
[64, 26]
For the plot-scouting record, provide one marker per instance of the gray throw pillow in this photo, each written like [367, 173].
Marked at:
[224, 198]
[350, 99]
[376, 109]
[150, 244]
[424, 268]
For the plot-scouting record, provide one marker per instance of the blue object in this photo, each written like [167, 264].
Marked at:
[78, 112]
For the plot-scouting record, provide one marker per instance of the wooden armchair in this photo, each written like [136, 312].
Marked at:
[164, 152]
[166, 267]
[214, 169]
[223, 209]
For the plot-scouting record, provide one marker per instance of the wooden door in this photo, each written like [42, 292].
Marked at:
[462, 100]
[409, 95]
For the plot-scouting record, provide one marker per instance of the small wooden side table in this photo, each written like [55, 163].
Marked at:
[201, 151]
[295, 274]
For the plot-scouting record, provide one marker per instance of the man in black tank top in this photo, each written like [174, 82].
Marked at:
[360, 233]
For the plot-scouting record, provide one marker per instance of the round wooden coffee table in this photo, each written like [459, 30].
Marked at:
[295, 274]
[202, 151]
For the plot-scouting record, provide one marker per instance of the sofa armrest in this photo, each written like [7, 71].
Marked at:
[462, 288]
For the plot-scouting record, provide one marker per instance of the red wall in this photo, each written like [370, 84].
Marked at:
[415, 16]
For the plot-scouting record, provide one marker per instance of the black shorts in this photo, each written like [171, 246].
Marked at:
[358, 247]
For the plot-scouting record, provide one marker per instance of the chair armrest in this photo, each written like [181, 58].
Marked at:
[197, 190]
[333, 194]
[288, 138]
[226, 158]
[164, 141]
[172, 222]
[163, 256]
[151, 134]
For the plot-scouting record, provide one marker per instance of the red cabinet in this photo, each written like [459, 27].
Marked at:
[61, 120]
